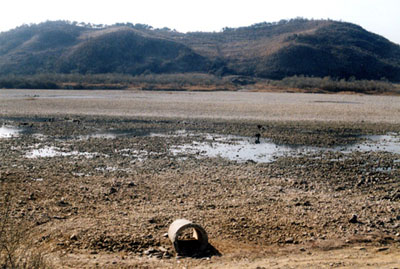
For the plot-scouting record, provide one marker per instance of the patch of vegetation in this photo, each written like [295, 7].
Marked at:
[196, 82]
[28, 82]
[286, 48]
[181, 81]
[125, 51]
[15, 251]
[328, 84]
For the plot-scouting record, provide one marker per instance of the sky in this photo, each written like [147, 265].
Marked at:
[378, 16]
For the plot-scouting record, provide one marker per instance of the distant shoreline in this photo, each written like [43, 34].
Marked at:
[197, 82]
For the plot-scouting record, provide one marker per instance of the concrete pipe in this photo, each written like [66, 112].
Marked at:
[194, 244]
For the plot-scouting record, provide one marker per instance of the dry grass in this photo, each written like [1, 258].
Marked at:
[16, 250]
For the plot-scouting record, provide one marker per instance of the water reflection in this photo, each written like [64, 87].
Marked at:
[49, 152]
[239, 150]
[387, 143]
[234, 148]
[8, 131]
[243, 149]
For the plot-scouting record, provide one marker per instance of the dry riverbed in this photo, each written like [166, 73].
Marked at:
[100, 189]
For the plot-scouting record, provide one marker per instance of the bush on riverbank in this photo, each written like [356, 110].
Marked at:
[116, 81]
[195, 81]
[329, 84]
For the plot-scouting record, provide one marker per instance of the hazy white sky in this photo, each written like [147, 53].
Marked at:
[379, 16]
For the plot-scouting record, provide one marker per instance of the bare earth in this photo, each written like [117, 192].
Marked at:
[220, 105]
[106, 201]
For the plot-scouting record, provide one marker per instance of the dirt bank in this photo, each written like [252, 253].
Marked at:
[102, 190]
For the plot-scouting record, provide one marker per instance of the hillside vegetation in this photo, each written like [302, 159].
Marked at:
[313, 48]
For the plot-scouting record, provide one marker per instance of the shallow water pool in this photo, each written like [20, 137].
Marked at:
[242, 149]
[9, 131]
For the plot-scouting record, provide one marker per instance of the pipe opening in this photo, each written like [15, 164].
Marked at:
[189, 242]
[188, 239]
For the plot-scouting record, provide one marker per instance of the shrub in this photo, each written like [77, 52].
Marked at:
[334, 85]
[15, 252]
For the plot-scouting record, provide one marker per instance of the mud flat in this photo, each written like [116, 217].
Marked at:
[217, 105]
[276, 180]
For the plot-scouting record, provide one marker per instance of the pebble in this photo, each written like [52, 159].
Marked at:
[149, 251]
[163, 249]
[289, 240]
[382, 249]
[242, 186]
[354, 219]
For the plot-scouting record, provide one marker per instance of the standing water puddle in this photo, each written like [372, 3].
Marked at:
[116, 133]
[234, 148]
[243, 149]
[8, 131]
[239, 150]
[387, 143]
[98, 135]
[49, 152]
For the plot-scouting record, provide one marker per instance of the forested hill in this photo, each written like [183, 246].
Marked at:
[268, 50]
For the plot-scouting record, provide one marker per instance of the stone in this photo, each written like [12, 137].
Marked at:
[354, 219]
[112, 190]
[163, 249]
[289, 240]
[149, 251]
[62, 203]
[383, 249]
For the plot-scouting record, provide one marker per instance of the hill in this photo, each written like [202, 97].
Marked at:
[61, 47]
[267, 50]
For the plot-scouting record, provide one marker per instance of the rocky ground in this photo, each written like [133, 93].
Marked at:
[113, 189]
[106, 189]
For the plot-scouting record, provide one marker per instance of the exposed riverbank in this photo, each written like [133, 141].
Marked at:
[101, 190]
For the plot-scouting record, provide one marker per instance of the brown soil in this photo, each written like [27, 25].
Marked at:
[110, 206]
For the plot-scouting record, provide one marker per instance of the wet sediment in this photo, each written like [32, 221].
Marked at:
[115, 185]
